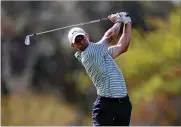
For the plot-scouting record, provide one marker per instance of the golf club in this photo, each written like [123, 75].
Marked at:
[27, 39]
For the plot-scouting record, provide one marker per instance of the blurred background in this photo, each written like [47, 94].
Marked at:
[44, 84]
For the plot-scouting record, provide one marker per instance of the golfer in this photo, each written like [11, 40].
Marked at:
[112, 106]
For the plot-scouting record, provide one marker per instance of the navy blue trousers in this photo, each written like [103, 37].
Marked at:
[111, 111]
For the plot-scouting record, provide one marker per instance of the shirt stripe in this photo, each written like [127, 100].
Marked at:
[103, 70]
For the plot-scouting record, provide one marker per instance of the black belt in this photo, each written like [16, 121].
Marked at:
[120, 100]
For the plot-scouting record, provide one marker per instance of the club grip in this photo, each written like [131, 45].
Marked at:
[102, 19]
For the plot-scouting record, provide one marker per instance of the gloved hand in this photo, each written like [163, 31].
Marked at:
[124, 17]
[120, 17]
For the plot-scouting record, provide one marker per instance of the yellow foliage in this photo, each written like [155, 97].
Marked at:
[36, 110]
[160, 51]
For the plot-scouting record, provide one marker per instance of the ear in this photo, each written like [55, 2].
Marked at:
[87, 35]
[72, 45]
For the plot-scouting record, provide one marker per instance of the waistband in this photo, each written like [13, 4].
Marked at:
[120, 100]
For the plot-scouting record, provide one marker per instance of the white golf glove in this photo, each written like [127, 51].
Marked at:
[123, 17]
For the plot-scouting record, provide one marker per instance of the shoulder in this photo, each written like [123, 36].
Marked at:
[106, 40]
[103, 42]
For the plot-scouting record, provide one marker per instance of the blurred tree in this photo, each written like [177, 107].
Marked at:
[4, 89]
[153, 61]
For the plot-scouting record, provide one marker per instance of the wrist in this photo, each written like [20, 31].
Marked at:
[118, 22]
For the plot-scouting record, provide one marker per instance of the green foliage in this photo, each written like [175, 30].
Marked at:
[83, 81]
[149, 59]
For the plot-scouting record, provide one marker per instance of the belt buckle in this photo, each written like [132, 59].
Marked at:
[120, 101]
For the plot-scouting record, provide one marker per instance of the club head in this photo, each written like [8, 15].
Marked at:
[27, 40]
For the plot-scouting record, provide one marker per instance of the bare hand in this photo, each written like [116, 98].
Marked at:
[113, 17]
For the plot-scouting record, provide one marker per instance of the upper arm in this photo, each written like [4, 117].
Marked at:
[116, 50]
[106, 40]
[108, 36]
[111, 33]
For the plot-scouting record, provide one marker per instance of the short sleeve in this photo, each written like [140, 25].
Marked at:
[106, 46]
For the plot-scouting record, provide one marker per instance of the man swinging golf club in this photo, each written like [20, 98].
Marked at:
[112, 106]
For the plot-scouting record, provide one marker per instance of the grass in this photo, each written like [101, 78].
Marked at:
[35, 110]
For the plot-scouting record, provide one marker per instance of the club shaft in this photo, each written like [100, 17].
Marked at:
[80, 24]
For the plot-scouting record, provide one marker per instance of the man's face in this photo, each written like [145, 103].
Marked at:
[80, 42]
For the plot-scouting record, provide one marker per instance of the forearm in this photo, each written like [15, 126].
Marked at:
[126, 36]
[116, 28]
[113, 31]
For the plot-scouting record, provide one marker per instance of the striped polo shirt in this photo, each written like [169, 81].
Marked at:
[103, 70]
